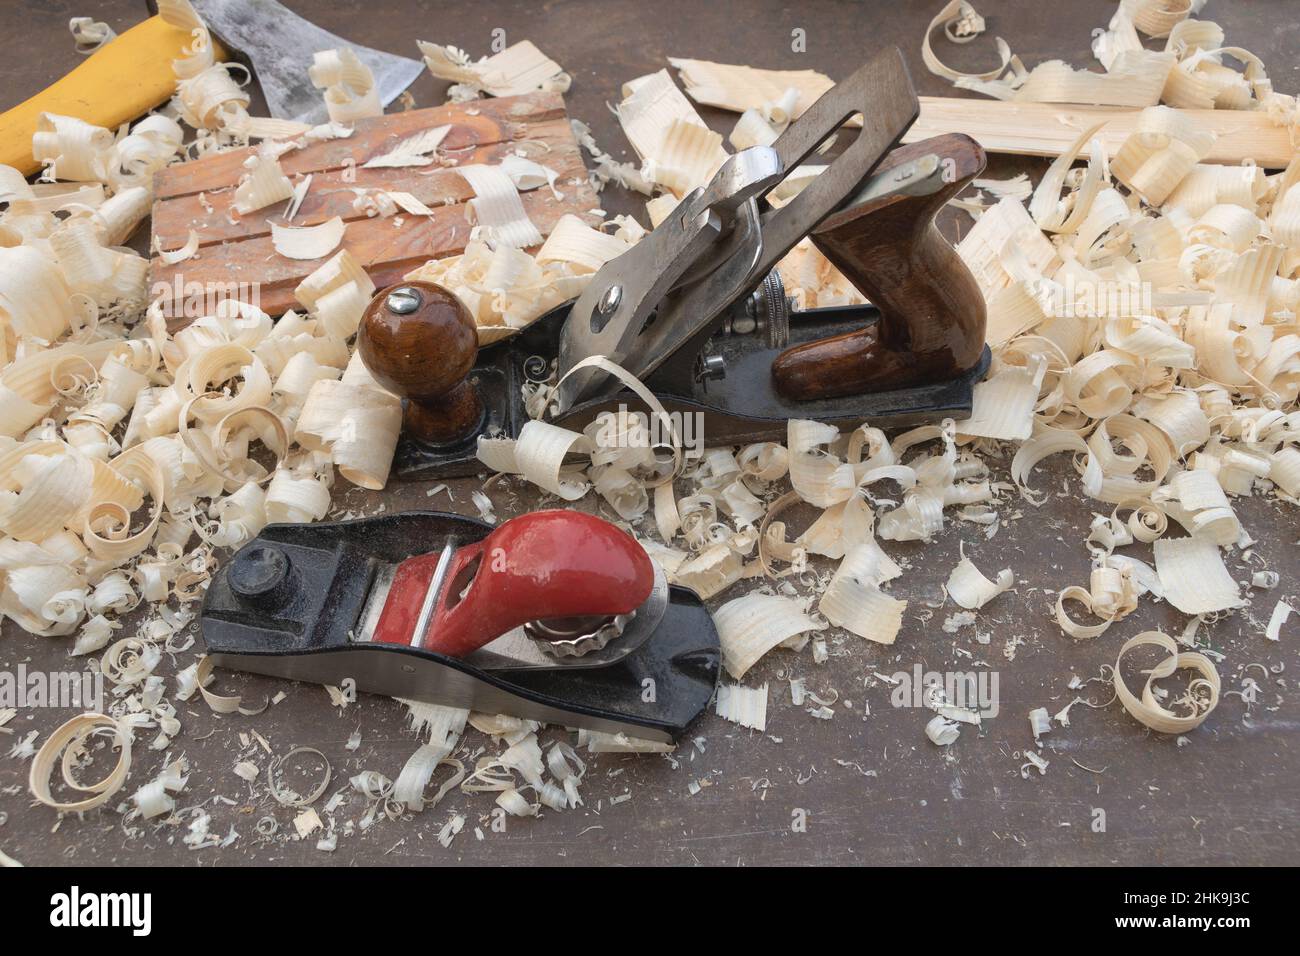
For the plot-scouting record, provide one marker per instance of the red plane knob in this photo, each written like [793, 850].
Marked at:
[547, 565]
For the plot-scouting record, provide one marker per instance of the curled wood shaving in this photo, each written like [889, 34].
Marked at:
[1003, 405]
[354, 421]
[854, 602]
[90, 34]
[961, 24]
[70, 740]
[942, 731]
[597, 742]
[264, 183]
[678, 151]
[288, 798]
[308, 242]
[158, 795]
[219, 704]
[1202, 694]
[186, 251]
[750, 626]
[1112, 595]
[776, 96]
[971, 589]
[71, 147]
[499, 215]
[505, 288]
[416, 773]
[348, 85]
[819, 477]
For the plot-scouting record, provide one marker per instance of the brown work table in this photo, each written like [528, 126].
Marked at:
[872, 787]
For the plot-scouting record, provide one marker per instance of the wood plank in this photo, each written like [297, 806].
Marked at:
[240, 252]
[330, 196]
[384, 250]
[1048, 129]
[479, 123]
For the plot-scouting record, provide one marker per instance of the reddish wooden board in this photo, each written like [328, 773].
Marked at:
[482, 131]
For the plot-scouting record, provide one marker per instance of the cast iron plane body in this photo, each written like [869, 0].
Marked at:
[301, 602]
[739, 407]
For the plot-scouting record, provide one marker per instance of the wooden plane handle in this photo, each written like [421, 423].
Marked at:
[932, 316]
[123, 80]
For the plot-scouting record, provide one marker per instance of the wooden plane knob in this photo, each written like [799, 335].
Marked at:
[932, 314]
[419, 341]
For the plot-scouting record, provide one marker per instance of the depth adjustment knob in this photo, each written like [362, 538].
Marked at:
[765, 312]
[576, 636]
[770, 308]
[420, 342]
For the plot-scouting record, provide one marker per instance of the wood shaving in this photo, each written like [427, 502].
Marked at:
[90, 34]
[70, 741]
[308, 242]
[961, 24]
[307, 823]
[264, 183]
[355, 422]
[854, 602]
[505, 288]
[942, 731]
[1202, 694]
[746, 706]
[347, 84]
[414, 150]
[607, 169]
[1193, 576]
[519, 68]
[750, 626]
[1281, 612]
[677, 150]
[970, 589]
[744, 88]
[186, 251]
[158, 796]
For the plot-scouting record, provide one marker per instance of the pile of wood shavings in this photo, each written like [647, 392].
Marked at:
[1142, 313]
[130, 457]
[1153, 402]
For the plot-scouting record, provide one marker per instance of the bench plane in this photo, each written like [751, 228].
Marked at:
[697, 311]
[556, 616]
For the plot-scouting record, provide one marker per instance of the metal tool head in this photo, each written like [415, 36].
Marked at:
[278, 45]
[610, 316]
[308, 602]
[674, 286]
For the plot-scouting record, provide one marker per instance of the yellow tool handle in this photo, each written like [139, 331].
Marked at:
[121, 81]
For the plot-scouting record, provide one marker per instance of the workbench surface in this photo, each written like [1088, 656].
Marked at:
[874, 790]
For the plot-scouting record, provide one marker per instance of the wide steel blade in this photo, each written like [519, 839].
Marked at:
[737, 258]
